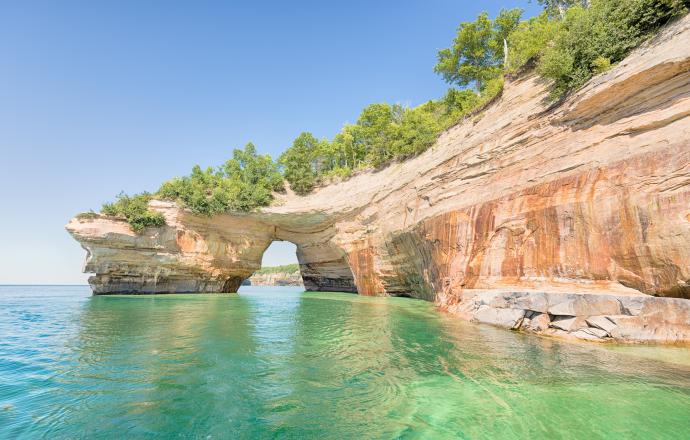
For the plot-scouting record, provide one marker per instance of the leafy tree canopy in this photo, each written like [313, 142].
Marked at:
[571, 41]
[477, 54]
[244, 182]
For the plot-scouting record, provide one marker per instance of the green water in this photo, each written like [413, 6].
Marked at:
[279, 363]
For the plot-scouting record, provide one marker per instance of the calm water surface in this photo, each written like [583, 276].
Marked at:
[279, 363]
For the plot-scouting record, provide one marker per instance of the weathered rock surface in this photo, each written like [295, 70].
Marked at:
[586, 201]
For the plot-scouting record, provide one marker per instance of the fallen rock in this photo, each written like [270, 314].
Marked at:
[652, 328]
[578, 305]
[538, 322]
[568, 323]
[601, 322]
[507, 318]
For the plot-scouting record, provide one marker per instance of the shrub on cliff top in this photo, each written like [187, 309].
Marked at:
[89, 215]
[571, 41]
[135, 210]
[300, 164]
[245, 182]
[590, 39]
[383, 133]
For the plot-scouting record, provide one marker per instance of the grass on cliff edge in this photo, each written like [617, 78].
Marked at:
[570, 42]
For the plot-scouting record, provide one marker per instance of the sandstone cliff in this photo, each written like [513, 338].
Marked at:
[589, 197]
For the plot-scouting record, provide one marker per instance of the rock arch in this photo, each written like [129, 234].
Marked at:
[199, 254]
[517, 215]
[592, 194]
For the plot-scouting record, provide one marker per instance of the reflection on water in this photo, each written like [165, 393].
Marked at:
[278, 363]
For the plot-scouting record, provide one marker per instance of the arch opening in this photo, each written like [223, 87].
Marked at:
[279, 253]
[279, 266]
[317, 265]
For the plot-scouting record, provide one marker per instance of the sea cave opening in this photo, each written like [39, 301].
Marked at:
[279, 266]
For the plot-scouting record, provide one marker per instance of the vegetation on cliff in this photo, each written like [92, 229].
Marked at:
[571, 41]
[135, 210]
[244, 182]
[591, 36]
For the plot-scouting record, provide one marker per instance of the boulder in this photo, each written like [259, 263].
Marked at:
[601, 322]
[568, 323]
[507, 318]
[538, 322]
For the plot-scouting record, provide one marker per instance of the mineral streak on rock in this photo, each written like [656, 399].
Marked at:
[589, 197]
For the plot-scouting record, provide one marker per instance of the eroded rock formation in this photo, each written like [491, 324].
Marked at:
[589, 196]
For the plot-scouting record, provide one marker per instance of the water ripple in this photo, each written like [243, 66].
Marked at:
[279, 363]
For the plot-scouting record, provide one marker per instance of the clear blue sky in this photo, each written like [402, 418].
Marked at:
[99, 97]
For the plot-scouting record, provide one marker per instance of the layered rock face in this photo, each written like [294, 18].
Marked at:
[587, 197]
[189, 254]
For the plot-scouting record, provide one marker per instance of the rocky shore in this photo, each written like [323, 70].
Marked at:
[585, 316]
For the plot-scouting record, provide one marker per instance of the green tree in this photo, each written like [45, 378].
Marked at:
[504, 24]
[375, 131]
[455, 104]
[416, 132]
[470, 60]
[530, 39]
[255, 176]
[479, 50]
[557, 8]
[298, 163]
[351, 153]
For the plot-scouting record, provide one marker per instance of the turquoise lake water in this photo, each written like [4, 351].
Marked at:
[280, 363]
